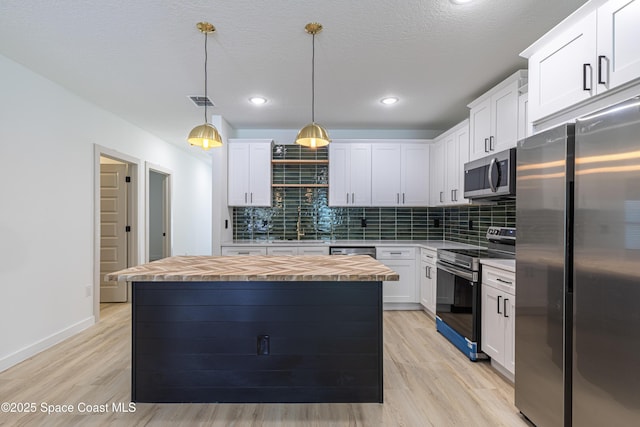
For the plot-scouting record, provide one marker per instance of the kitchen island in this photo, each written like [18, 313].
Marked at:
[257, 329]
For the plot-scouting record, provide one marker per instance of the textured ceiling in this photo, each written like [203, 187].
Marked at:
[142, 59]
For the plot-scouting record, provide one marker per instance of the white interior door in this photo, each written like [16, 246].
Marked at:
[113, 235]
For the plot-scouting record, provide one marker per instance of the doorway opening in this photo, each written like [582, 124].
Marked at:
[116, 224]
[158, 210]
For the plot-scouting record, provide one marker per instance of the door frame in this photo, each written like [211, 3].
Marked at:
[168, 218]
[133, 255]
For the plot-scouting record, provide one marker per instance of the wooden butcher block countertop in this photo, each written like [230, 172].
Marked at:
[357, 268]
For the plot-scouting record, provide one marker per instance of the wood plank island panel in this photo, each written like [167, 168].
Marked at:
[259, 268]
[253, 341]
[249, 329]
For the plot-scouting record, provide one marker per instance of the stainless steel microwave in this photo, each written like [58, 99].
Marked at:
[491, 177]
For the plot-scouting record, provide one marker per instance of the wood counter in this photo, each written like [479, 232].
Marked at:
[257, 329]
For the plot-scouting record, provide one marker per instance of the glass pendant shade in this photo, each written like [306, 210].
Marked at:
[313, 136]
[205, 136]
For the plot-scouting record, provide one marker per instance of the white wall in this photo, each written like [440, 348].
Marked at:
[220, 211]
[47, 138]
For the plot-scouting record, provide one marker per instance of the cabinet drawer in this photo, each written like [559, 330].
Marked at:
[239, 250]
[499, 279]
[428, 255]
[395, 253]
[289, 250]
[313, 251]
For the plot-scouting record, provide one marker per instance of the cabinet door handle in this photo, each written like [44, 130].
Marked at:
[426, 272]
[585, 68]
[506, 300]
[347, 198]
[243, 252]
[441, 196]
[499, 304]
[452, 196]
[403, 198]
[601, 70]
[398, 198]
[251, 198]
[504, 281]
[491, 145]
[455, 194]
[245, 197]
[353, 198]
[486, 144]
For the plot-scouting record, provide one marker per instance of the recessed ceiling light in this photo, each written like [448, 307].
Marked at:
[461, 1]
[389, 100]
[257, 100]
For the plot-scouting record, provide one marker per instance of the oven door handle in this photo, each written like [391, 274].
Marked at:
[456, 271]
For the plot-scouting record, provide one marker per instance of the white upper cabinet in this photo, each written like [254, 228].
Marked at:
[400, 174]
[249, 172]
[448, 156]
[618, 40]
[385, 178]
[561, 73]
[414, 174]
[593, 51]
[457, 156]
[349, 174]
[493, 118]
[524, 124]
[437, 170]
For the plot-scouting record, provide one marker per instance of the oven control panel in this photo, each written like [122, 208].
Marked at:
[501, 234]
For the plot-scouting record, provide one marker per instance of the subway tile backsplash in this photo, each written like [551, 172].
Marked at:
[466, 224]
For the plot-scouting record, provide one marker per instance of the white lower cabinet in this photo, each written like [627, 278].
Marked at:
[403, 262]
[243, 250]
[498, 317]
[428, 280]
[298, 250]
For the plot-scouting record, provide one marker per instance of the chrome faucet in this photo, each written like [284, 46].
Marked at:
[299, 225]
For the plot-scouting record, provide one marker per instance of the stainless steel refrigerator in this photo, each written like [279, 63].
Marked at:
[577, 320]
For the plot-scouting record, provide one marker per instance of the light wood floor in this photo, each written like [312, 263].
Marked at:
[427, 382]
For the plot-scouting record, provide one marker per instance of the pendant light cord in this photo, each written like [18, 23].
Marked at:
[313, 79]
[205, 78]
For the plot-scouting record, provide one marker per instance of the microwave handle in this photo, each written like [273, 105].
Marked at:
[491, 166]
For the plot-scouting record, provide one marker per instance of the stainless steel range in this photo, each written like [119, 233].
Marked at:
[458, 310]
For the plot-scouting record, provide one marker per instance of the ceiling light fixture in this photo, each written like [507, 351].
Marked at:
[389, 100]
[206, 135]
[313, 135]
[257, 100]
[461, 1]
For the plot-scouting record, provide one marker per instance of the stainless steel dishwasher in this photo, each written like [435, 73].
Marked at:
[353, 250]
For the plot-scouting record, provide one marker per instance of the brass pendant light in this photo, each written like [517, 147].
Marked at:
[313, 135]
[206, 135]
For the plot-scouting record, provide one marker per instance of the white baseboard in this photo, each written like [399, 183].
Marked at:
[503, 372]
[53, 339]
[400, 306]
